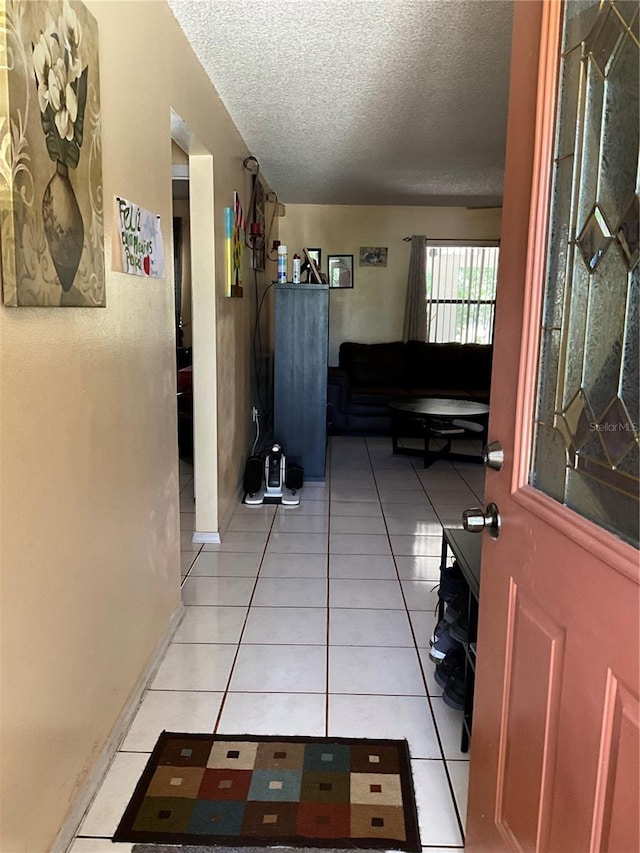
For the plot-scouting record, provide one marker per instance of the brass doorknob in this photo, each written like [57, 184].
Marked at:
[476, 519]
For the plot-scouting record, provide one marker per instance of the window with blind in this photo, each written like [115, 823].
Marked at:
[461, 291]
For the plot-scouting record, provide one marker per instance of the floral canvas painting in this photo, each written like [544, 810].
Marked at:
[51, 199]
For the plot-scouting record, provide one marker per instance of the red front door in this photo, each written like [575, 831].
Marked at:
[555, 749]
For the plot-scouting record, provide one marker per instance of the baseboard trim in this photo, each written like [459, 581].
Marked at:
[90, 788]
[206, 538]
[214, 537]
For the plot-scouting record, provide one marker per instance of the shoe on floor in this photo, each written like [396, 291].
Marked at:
[437, 631]
[459, 630]
[458, 606]
[453, 695]
[451, 581]
[445, 669]
[445, 643]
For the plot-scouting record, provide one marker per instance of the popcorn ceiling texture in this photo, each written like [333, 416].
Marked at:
[380, 102]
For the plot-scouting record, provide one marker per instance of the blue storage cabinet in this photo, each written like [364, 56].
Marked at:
[300, 374]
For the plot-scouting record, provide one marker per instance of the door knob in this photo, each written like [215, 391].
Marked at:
[493, 455]
[476, 519]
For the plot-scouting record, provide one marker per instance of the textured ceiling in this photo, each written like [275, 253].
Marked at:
[363, 101]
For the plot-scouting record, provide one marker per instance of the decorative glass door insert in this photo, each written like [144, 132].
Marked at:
[586, 442]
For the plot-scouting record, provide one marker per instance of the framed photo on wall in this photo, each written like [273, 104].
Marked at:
[373, 256]
[340, 270]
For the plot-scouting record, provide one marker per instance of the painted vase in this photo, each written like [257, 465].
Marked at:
[63, 226]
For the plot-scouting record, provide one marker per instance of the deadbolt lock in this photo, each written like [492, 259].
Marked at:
[493, 455]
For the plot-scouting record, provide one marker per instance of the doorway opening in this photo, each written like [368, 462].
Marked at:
[182, 294]
[195, 309]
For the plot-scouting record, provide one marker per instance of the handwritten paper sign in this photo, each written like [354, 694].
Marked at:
[140, 235]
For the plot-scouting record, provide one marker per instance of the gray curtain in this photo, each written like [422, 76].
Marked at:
[415, 310]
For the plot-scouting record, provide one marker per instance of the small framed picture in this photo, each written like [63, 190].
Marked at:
[373, 256]
[340, 270]
[314, 270]
[316, 254]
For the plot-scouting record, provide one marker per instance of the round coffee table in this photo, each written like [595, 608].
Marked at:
[437, 417]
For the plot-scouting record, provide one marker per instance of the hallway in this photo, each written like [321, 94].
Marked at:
[315, 620]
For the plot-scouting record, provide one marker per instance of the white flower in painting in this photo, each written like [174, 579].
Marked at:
[57, 65]
[62, 99]
[70, 33]
[46, 53]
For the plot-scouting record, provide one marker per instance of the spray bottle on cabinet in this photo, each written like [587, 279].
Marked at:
[282, 264]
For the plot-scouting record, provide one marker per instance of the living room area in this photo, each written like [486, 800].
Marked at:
[372, 310]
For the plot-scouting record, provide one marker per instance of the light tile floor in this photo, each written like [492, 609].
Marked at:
[315, 620]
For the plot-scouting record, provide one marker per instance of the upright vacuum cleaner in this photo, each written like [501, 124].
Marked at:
[270, 480]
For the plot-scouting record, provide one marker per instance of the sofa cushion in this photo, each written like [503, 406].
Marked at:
[373, 364]
[448, 365]
[433, 365]
[449, 393]
[369, 410]
[375, 395]
[479, 365]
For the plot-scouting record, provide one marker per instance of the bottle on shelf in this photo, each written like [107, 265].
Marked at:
[282, 264]
[296, 269]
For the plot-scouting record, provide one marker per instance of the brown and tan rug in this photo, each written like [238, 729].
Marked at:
[245, 790]
[190, 848]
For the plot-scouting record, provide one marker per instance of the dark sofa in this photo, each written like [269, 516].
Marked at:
[368, 376]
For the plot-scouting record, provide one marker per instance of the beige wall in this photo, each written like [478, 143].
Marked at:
[373, 311]
[89, 544]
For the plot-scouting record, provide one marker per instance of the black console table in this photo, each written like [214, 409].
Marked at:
[465, 548]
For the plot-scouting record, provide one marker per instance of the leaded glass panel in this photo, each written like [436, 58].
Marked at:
[579, 19]
[570, 83]
[630, 379]
[549, 375]
[575, 329]
[551, 461]
[605, 331]
[586, 446]
[619, 152]
[557, 272]
[593, 100]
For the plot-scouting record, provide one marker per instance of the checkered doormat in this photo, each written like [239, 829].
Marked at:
[241, 790]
